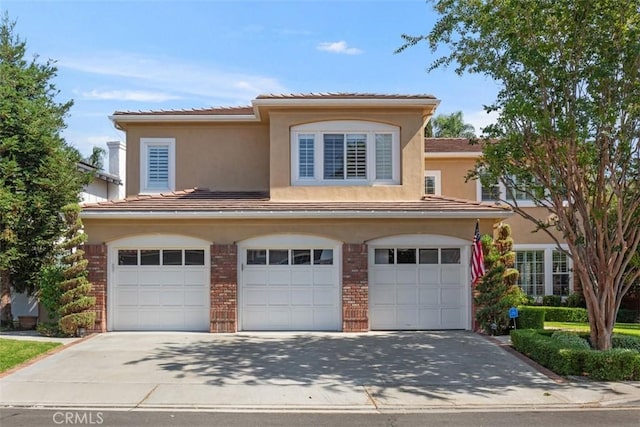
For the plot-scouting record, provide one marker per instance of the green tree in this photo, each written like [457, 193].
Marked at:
[452, 126]
[38, 173]
[75, 302]
[568, 126]
[96, 158]
[498, 290]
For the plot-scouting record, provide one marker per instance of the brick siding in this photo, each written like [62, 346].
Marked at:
[97, 257]
[355, 288]
[224, 288]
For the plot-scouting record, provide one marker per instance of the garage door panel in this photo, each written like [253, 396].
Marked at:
[406, 295]
[160, 297]
[428, 296]
[293, 297]
[170, 298]
[301, 297]
[417, 296]
[450, 276]
[405, 275]
[126, 277]
[278, 297]
[430, 276]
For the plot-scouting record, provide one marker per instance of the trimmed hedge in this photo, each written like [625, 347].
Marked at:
[578, 314]
[612, 365]
[530, 319]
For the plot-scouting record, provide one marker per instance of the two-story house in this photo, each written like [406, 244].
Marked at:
[544, 270]
[299, 212]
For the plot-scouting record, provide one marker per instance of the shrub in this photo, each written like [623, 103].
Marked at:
[612, 365]
[567, 359]
[627, 316]
[49, 290]
[570, 339]
[530, 318]
[552, 300]
[626, 341]
[562, 314]
[576, 299]
[50, 330]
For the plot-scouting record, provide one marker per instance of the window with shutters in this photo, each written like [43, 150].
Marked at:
[345, 153]
[157, 165]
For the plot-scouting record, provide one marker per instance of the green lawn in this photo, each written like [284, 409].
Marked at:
[15, 352]
[620, 328]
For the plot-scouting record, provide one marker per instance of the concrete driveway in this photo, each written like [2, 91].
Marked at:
[370, 372]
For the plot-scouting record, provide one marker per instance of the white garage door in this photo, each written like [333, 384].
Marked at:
[290, 288]
[160, 288]
[418, 287]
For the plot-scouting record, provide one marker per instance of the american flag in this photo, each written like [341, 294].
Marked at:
[477, 257]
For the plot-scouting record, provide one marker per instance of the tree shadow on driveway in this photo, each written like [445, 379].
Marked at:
[414, 362]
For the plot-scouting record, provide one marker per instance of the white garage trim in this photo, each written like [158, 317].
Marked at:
[195, 279]
[417, 285]
[289, 296]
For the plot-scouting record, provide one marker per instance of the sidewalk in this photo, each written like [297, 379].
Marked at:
[372, 372]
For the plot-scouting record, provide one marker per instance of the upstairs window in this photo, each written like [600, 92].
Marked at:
[345, 153]
[432, 186]
[157, 165]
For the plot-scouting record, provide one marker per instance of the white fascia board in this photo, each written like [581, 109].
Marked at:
[289, 214]
[453, 155]
[190, 118]
[348, 102]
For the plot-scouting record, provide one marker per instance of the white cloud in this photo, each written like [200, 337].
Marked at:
[480, 119]
[171, 77]
[340, 47]
[128, 95]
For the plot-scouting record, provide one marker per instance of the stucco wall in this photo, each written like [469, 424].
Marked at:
[229, 157]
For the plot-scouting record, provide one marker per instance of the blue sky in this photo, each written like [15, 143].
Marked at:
[161, 54]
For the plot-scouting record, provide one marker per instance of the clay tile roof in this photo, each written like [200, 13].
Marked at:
[204, 200]
[451, 145]
[223, 111]
[343, 95]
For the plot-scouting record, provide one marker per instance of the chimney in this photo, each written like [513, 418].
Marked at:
[118, 164]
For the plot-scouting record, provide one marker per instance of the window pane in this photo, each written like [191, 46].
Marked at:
[530, 264]
[356, 156]
[194, 257]
[323, 256]
[171, 257]
[301, 256]
[429, 184]
[491, 193]
[333, 156]
[450, 256]
[406, 256]
[256, 256]
[278, 256]
[384, 156]
[150, 257]
[305, 156]
[158, 166]
[128, 257]
[561, 275]
[428, 256]
[384, 256]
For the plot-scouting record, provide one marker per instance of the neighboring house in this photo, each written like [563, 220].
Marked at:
[300, 212]
[544, 270]
[104, 186]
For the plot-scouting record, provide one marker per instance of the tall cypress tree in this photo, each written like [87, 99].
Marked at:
[75, 301]
[38, 172]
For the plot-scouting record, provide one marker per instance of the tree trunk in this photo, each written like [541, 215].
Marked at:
[602, 308]
[5, 298]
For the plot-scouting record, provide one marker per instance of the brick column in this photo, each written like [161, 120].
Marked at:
[355, 288]
[224, 288]
[97, 257]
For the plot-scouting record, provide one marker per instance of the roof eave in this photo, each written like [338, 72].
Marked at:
[124, 214]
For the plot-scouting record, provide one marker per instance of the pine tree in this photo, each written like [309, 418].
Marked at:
[76, 302]
[497, 291]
